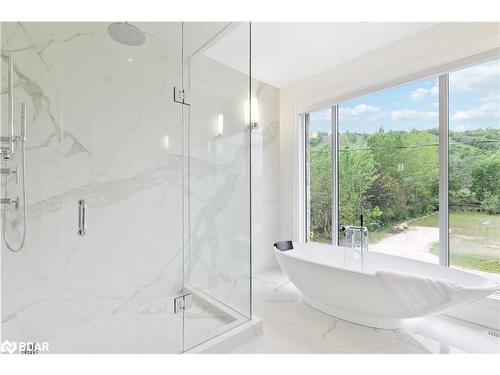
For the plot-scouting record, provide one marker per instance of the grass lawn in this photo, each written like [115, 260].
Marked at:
[327, 241]
[470, 260]
[474, 240]
[431, 220]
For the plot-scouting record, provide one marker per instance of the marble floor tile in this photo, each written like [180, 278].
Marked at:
[291, 326]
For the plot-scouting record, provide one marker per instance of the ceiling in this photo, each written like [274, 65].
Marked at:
[285, 53]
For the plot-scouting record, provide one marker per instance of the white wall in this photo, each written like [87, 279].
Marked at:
[435, 50]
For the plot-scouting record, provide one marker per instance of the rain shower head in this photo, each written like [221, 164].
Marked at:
[127, 34]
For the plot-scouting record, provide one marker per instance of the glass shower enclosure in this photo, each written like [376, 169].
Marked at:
[135, 201]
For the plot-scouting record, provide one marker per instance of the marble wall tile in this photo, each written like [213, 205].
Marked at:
[265, 177]
[31, 290]
[99, 116]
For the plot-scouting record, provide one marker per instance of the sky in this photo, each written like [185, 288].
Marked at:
[474, 103]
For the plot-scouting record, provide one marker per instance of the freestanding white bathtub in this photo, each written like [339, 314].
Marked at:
[387, 290]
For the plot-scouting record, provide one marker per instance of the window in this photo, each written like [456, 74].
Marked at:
[318, 137]
[381, 160]
[474, 168]
[389, 169]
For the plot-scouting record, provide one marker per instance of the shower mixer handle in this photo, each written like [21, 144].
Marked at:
[14, 202]
[8, 172]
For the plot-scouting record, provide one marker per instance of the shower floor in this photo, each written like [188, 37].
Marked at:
[208, 318]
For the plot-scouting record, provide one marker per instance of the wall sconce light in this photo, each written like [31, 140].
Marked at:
[166, 142]
[220, 125]
[254, 110]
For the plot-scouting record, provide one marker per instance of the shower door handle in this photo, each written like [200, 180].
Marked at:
[82, 217]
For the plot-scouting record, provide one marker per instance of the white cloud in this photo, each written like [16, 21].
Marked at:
[489, 109]
[486, 111]
[418, 94]
[365, 111]
[421, 92]
[479, 77]
[322, 114]
[411, 115]
[493, 97]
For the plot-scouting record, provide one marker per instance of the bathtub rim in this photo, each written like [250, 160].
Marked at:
[295, 253]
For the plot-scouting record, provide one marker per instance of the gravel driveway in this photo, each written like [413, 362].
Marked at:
[414, 243]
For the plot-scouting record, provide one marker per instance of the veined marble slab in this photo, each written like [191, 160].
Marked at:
[291, 326]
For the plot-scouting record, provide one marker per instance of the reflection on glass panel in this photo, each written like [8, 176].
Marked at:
[217, 270]
[474, 168]
[389, 169]
[319, 175]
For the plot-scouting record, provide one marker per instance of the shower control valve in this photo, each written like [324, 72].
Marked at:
[8, 172]
[14, 202]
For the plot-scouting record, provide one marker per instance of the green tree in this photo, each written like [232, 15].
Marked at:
[486, 177]
[320, 164]
[394, 176]
[387, 193]
[356, 176]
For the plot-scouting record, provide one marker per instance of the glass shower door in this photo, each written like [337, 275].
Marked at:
[122, 160]
[217, 271]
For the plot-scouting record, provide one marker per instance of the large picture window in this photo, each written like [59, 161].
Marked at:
[378, 161]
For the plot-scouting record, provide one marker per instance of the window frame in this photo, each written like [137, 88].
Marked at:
[307, 180]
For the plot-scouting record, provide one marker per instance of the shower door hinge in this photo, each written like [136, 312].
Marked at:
[180, 96]
[183, 302]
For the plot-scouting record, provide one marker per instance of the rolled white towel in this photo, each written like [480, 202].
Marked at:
[417, 293]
